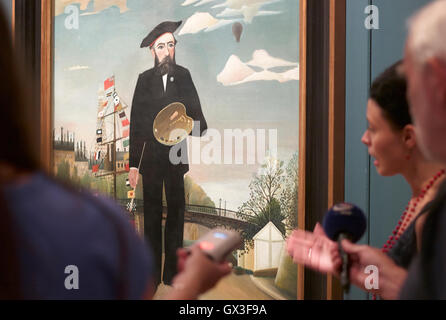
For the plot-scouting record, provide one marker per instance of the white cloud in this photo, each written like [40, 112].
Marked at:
[248, 8]
[230, 13]
[202, 2]
[234, 71]
[268, 13]
[266, 75]
[61, 4]
[292, 74]
[77, 68]
[237, 72]
[98, 5]
[238, 4]
[262, 59]
[200, 21]
[248, 12]
[189, 2]
[219, 24]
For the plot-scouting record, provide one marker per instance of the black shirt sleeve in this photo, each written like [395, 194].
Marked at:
[427, 278]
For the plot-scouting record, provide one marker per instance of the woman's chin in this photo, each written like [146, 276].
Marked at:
[384, 173]
[379, 169]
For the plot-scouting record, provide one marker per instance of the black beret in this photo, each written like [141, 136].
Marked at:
[162, 28]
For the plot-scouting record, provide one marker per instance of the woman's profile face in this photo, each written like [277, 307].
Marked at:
[385, 144]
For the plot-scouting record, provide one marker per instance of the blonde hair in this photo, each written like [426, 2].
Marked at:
[427, 32]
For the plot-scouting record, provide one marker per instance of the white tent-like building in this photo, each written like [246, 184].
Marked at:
[268, 244]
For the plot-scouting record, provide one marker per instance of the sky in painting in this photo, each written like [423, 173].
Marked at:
[6, 7]
[107, 43]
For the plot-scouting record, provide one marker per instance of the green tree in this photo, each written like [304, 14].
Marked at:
[195, 195]
[289, 199]
[272, 212]
[103, 185]
[263, 204]
[75, 179]
[86, 181]
[63, 171]
[272, 197]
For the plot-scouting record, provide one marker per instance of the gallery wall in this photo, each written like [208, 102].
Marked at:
[369, 52]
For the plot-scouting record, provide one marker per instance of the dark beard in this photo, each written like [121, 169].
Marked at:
[165, 66]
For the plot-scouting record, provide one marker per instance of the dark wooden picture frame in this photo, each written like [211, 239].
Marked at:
[324, 126]
[322, 123]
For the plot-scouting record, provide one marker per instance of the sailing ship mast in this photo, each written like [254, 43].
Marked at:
[119, 106]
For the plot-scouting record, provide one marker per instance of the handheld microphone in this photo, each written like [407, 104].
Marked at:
[344, 221]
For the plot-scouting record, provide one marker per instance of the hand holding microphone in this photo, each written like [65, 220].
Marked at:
[330, 250]
[388, 277]
[344, 221]
[320, 249]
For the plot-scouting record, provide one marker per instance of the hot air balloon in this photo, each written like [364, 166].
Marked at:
[237, 29]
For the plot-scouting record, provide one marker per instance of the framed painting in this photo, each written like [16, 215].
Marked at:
[8, 9]
[188, 110]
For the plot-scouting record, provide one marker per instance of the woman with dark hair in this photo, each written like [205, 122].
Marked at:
[57, 243]
[390, 139]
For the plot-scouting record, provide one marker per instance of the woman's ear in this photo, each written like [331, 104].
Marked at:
[409, 138]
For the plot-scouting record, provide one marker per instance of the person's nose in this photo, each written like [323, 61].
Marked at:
[365, 138]
[165, 52]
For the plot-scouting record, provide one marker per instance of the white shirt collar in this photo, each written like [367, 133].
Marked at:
[165, 81]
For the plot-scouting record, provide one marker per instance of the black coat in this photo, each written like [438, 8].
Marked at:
[149, 98]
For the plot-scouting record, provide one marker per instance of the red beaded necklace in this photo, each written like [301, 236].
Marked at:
[408, 215]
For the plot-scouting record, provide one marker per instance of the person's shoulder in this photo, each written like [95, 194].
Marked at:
[434, 225]
[438, 204]
[108, 214]
[79, 228]
[180, 70]
[72, 210]
[146, 74]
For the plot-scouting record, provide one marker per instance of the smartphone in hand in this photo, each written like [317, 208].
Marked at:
[219, 243]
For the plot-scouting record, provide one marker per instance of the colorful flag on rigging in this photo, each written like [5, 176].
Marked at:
[125, 122]
[109, 83]
[118, 107]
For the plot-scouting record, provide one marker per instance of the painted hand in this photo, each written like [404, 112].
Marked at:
[133, 177]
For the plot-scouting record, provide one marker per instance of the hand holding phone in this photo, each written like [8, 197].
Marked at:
[219, 243]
